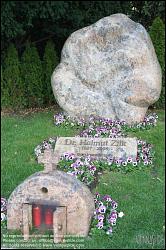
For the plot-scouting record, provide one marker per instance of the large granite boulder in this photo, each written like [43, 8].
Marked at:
[108, 69]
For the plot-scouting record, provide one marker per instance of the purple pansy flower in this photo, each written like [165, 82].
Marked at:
[114, 204]
[107, 198]
[112, 221]
[99, 225]
[114, 215]
[97, 195]
[109, 231]
[71, 157]
[129, 159]
[102, 209]
[100, 217]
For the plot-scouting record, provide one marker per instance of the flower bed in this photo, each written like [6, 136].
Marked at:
[106, 214]
[97, 126]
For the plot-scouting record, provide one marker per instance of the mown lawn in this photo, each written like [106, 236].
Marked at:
[140, 194]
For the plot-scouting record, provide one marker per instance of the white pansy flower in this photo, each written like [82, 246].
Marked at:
[120, 214]
[3, 217]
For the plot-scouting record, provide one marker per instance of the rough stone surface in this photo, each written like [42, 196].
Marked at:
[63, 191]
[108, 69]
[25, 217]
[48, 158]
[59, 224]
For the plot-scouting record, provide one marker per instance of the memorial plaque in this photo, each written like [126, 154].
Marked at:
[98, 148]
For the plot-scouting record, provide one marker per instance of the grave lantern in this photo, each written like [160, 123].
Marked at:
[51, 200]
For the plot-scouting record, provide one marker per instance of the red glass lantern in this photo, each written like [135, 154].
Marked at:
[37, 216]
[48, 217]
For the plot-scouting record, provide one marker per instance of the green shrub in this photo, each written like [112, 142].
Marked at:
[12, 94]
[50, 61]
[32, 75]
[157, 34]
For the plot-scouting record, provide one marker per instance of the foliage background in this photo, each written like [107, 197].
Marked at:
[38, 22]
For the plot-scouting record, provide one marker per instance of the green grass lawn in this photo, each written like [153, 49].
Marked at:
[140, 194]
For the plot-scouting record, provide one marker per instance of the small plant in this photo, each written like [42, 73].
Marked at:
[105, 215]
[46, 144]
[64, 120]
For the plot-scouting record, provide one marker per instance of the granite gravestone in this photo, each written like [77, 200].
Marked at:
[108, 69]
